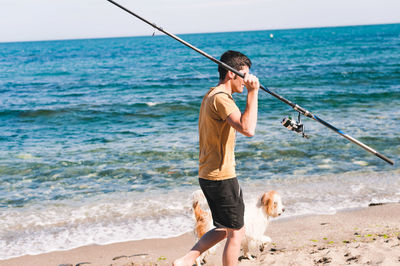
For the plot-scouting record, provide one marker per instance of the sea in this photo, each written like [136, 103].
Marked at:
[99, 137]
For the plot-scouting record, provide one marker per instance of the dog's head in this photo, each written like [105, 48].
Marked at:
[271, 203]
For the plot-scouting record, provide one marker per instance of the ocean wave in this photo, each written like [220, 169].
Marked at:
[105, 220]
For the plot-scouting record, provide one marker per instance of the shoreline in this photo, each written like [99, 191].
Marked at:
[356, 236]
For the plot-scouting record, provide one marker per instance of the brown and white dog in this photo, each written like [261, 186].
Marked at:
[256, 219]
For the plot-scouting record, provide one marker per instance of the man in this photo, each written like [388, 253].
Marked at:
[219, 120]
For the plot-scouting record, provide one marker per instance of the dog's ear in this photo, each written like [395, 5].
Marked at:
[195, 203]
[267, 203]
[267, 200]
[198, 212]
[264, 199]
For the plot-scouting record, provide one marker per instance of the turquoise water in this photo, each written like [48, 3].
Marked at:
[100, 136]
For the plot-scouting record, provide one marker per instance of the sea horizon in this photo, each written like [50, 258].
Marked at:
[158, 33]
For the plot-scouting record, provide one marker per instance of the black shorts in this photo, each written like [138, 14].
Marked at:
[225, 199]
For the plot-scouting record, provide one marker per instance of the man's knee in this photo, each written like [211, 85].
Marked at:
[236, 233]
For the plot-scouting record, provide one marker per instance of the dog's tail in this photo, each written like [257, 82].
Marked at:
[198, 198]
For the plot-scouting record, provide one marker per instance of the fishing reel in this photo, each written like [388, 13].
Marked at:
[295, 126]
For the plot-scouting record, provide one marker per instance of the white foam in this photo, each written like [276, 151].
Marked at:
[25, 156]
[121, 217]
[152, 104]
[362, 163]
[112, 219]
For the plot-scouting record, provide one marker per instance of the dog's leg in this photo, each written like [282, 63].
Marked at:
[247, 248]
[266, 239]
[198, 261]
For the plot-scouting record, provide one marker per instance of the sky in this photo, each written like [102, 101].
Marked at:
[32, 20]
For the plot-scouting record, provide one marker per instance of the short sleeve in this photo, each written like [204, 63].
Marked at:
[224, 105]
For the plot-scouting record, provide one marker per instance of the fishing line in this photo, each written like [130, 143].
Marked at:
[295, 126]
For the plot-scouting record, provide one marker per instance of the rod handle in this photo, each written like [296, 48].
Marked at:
[383, 157]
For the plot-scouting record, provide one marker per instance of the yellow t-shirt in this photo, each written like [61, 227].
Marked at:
[217, 137]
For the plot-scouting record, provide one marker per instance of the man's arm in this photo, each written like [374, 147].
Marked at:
[246, 123]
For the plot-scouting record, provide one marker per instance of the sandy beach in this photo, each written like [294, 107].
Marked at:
[367, 236]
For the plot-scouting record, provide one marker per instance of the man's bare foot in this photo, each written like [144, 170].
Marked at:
[182, 262]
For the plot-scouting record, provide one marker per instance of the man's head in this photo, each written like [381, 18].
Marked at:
[237, 60]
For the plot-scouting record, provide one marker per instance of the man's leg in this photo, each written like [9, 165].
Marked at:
[208, 240]
[232, 246]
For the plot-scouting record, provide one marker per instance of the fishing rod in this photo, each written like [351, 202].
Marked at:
[295, 126]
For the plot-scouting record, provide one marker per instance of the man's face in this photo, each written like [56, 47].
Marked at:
[237, 82]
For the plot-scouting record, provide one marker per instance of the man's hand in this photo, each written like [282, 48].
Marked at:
[251, 82]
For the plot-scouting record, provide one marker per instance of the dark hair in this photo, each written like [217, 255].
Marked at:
[237, 60]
